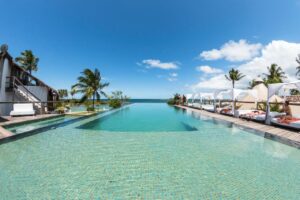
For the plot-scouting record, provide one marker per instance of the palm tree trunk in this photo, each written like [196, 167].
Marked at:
[94, 101]
[232, 84]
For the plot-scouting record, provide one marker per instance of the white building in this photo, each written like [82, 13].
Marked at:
[18, 86]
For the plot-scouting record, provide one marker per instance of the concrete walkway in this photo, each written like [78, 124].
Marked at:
[291, 138]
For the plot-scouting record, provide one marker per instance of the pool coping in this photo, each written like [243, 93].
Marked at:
[4, 133]
[285, 136]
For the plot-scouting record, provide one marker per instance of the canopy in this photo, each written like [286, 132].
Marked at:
[195, 96]
[277, 87]
[223, 94]
[234, 94]
[189, 96]
[284, 87]
[209, 96]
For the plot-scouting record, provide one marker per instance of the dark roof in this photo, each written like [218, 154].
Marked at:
[4, 54]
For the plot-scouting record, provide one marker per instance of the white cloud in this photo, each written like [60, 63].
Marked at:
[233, 51]
[280, 52]
[173, 74]
[208, 70]
[171, 79]
[215, 82]
[154, 63]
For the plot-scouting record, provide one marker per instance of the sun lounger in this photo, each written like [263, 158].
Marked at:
[22, 109]
[226, 111]
[190, 104]
[197, 105]
[293, 123]
[209, 108]
[240, 113]
[262, 117]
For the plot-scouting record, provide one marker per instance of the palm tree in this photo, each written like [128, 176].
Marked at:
[62, 93]
[275, 74]
[117, 95]
[28, 61]
[234, 75]
[73, 91]
[252, 84]
[89, 84]
[298, 61]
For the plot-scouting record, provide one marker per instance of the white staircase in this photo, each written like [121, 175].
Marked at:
[24, 94]
[27, 96]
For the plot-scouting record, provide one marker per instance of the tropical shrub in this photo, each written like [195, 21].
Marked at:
[175, 100]
[274, 107]
[171, 102]
[90, 109]
[115, 103]
[61, 107]
[60, 110]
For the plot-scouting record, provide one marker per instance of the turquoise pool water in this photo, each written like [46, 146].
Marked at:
[145, 117]
[27, 127]
[80, 161]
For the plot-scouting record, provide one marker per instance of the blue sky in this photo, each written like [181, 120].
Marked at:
[133, 42]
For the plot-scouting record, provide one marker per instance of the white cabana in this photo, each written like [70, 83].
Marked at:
[189, 97]
[196, 100]
[280, 88]
[222, 95]
[240, 95]
[204, 97]
[234, 95]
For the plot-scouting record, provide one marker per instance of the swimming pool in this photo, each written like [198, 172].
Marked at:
[90, 158]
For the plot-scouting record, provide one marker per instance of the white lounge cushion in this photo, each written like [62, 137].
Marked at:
[22, 109]
[208, 107]
[196, 105]
[243, 112]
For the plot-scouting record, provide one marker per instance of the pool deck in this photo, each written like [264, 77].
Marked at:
[16, 120]
[285, 136]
